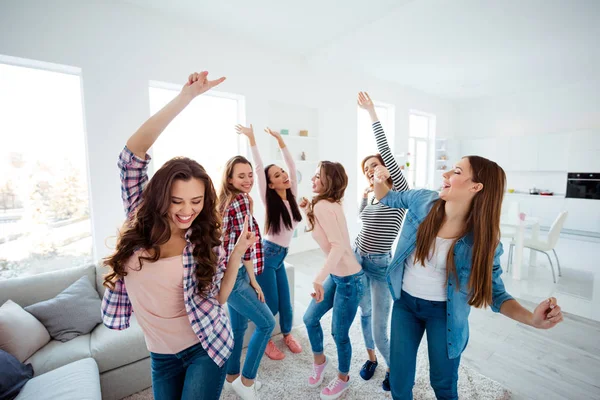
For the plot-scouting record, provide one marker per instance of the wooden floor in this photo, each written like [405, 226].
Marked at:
[562, 363]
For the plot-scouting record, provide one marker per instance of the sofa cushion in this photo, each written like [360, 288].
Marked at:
[33, 289]
[111, 348]
[21, 334]
[74, 381]
[14, 375]
[56, 354]
[73, 312]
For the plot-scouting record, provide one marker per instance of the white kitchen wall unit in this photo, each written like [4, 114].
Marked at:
[584, 151]
[557, 152]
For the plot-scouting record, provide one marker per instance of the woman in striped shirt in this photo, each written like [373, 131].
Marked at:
[373, 246]
[169, 265]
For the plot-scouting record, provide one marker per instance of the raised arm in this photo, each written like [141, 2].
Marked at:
[146, 135]
[287, 157]
[399, 183]
[259, 166]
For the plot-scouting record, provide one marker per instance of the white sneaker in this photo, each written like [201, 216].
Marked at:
[228, 385]
[245, 392]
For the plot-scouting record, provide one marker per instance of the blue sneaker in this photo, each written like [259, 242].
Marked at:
[386, 382]
[368, 369]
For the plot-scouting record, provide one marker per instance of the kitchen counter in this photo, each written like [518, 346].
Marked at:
[523, 194]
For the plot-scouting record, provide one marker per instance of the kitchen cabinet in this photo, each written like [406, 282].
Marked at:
[523, 153]
[553, 152]
[584, 151]
[584, 215]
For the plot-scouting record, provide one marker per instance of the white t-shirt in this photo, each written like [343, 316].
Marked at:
[428, 282]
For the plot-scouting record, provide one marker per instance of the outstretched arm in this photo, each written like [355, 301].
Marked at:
[141, 141]
[287, 157]
[399, 182]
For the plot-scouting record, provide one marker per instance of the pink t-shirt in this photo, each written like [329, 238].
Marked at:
[331, 233]
[284, 237]
[156, 294]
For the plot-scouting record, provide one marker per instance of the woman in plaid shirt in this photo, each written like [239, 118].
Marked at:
[169, 265]
[247, 301]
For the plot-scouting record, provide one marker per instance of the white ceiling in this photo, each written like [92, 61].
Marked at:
[451, 48]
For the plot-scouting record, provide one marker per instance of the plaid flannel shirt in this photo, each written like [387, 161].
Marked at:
[233, 221]
[207, 316]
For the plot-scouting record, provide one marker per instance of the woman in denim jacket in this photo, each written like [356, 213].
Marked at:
[447, 260]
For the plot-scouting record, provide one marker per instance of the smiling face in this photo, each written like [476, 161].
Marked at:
[242, 178]
[187, 201]
[458, 183]
[369, 168]
[317, 181]
[278, 178]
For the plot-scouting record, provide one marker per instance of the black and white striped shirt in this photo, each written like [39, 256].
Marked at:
[381, 224]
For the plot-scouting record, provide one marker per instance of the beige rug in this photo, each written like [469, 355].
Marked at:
[286, 379]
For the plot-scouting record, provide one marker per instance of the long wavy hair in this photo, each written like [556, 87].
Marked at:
[227, 192]
[148, 228]
[389, 181]
[334, 180]
[483, 222]
[277, 210]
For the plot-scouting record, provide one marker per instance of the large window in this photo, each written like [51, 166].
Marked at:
[204, 131]
[420, 146]
[44, 207]
[366, 139]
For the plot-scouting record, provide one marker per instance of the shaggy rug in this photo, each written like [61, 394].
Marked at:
[286, 379]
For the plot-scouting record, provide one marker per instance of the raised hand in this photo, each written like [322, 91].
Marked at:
[199, 83]
[365, 102]
[273, 133]
[303, 202]
[547, 314]
[368, 190]
[246, 239]
[244, 130]
[381, 174]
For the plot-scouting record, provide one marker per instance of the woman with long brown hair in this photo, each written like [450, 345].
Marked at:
[339, 284]
[247, 301]
[278, 189]
[447, 260]
[169, 265]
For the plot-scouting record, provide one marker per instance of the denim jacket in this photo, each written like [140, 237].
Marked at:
[418, 203]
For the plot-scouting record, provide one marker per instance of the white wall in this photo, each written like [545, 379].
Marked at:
[121, 47]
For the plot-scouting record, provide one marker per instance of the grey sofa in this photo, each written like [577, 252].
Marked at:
[120, 358]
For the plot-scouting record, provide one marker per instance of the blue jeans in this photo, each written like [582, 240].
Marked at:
[343, 295]
[411, 317]
[189, 374]
[243, 304]
[376, 304]
[275, 286]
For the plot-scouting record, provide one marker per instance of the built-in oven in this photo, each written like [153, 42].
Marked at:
[583, 185]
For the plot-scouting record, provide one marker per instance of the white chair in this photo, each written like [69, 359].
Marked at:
[509, 218]
[544, 246]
